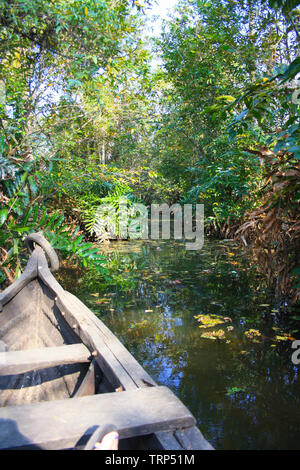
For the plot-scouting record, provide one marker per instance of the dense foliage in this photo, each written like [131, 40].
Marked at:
[87, 116]
[233, 122]
[54, 58]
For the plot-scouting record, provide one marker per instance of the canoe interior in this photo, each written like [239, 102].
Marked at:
[31, 320]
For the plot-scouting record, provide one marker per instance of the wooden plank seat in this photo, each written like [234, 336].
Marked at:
[63, 424]
[19, 362]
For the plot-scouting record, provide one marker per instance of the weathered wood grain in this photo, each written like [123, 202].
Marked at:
[192, 439]
[136, 372]
[87, 386]
[115, 372]
[61, 424]
[18, 362]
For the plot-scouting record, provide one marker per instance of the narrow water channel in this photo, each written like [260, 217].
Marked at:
[243, 389]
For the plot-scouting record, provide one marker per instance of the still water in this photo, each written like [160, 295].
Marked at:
[243, 389]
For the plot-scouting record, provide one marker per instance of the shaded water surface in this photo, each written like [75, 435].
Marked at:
[243, 391]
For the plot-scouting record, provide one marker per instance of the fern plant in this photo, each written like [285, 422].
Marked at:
[21, 214]
[7, 169]
[105, 220]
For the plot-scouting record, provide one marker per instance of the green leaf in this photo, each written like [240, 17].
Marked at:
[234, 390]
[228, 98]
[19, 228]
[292, 70]
[3, 216]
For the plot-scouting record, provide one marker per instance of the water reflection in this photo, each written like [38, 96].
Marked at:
[244, 393]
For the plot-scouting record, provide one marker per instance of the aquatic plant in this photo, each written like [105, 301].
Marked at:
[208, 321]
[214, 335]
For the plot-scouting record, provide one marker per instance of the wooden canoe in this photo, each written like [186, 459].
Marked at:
[63, 373]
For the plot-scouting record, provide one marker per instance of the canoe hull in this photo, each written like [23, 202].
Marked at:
[57, 353]
[31, 320]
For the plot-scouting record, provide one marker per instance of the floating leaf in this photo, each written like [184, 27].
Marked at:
[208, 321]
[252, 334]
[217, 334]
[281, 338]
